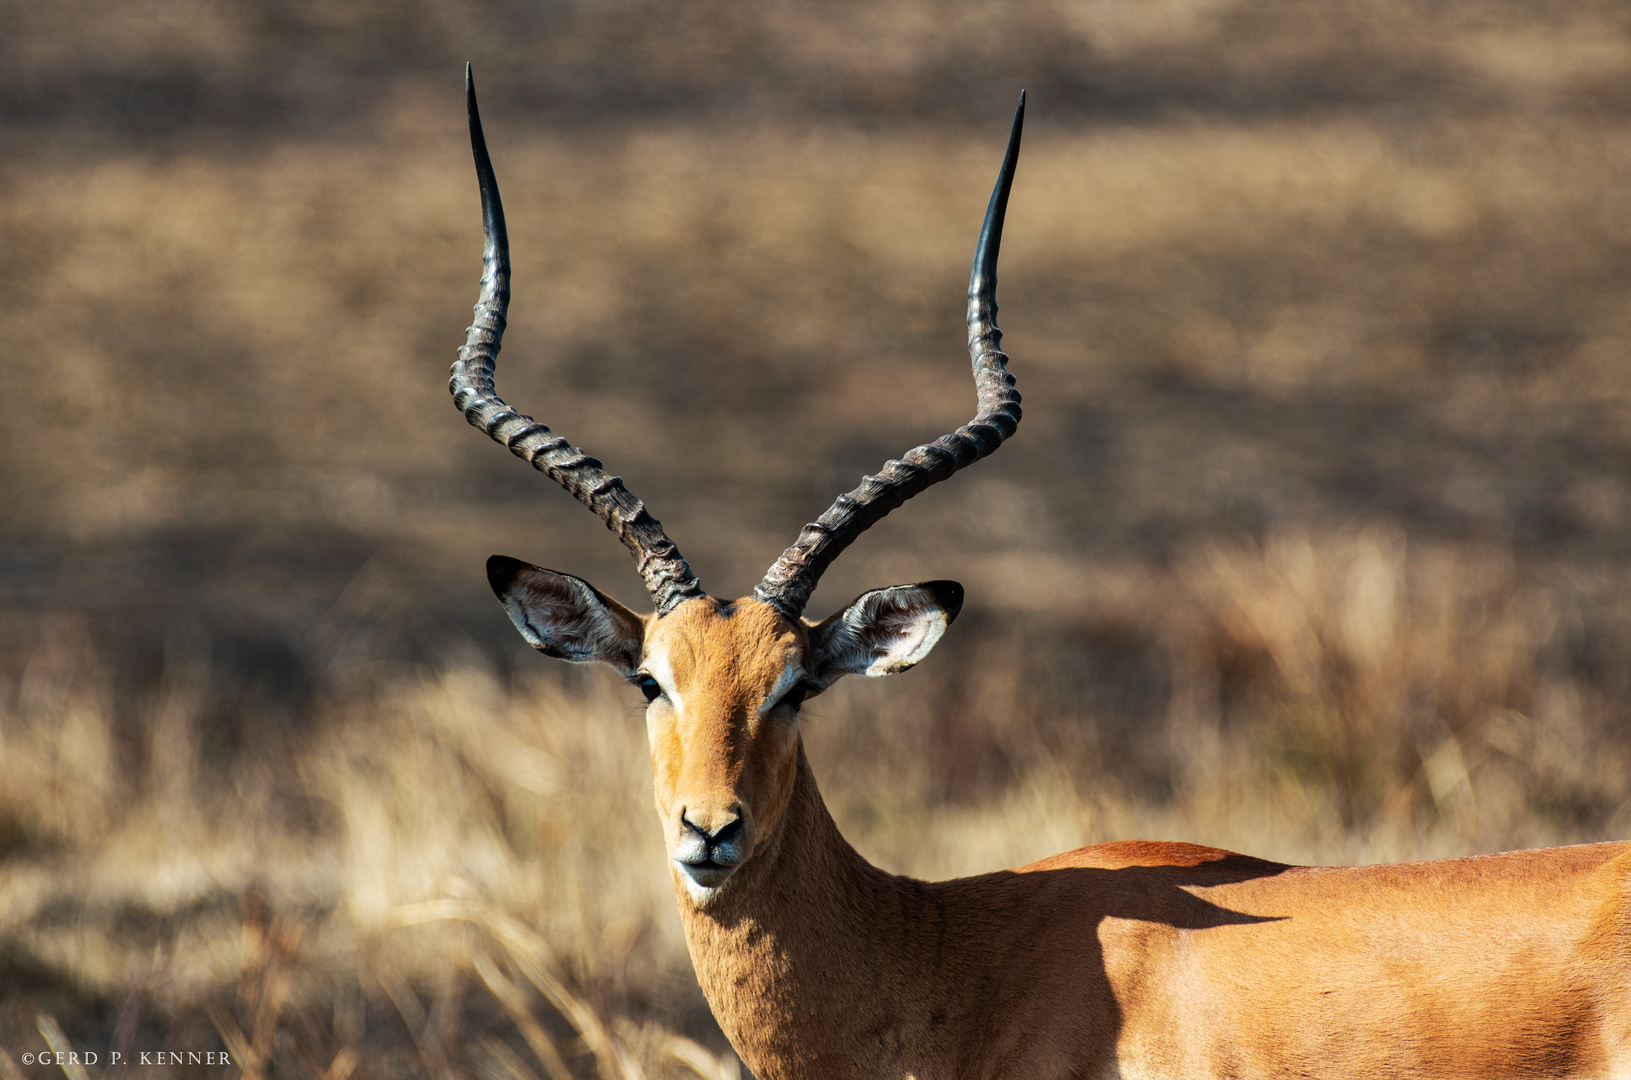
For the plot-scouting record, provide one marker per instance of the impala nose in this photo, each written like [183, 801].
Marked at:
[721, 834]
[709, 855]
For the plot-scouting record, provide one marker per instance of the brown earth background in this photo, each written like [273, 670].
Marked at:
[1315, 541]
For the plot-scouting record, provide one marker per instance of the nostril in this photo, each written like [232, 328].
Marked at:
[721, 835]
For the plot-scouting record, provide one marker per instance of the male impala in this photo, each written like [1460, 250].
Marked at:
[1123, 959]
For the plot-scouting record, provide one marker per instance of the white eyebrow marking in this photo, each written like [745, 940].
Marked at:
[656, 665]
[790, 675]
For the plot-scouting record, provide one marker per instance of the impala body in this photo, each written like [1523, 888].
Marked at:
[1120, 960]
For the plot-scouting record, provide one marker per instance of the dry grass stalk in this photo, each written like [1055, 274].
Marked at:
[270, 949]
[529, 953]
[412, 1011]
[700, 1060]
[344, 1064]
[496, 1061]
[60, 1045]
[514, 1001]
[237, 1044]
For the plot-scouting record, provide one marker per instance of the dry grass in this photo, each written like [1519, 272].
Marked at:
[1312, 543]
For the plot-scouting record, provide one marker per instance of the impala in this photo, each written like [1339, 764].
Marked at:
[1122, 959]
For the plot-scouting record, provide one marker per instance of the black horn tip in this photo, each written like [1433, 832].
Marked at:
[982, 281]
[1019, 122]
[492, 208]
[471, 109]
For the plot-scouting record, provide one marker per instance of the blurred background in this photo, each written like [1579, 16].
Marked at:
[1315, 541]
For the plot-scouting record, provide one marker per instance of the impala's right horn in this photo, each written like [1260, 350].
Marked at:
[790, 581]
[667, 575]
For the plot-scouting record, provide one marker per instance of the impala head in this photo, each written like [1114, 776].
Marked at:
[723, 683]
[724, 680]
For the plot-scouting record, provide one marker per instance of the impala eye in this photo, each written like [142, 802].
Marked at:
[648, 686]
[795, 697]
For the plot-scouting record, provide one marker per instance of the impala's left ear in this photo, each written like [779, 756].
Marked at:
[883, 631]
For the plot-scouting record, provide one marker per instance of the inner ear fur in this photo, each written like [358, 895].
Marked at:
[883, 631]
[566, 617]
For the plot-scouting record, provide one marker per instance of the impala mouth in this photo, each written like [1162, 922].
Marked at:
[707, 872]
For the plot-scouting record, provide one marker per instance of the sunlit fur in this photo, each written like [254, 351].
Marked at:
[1130, 959]
[1146, 960]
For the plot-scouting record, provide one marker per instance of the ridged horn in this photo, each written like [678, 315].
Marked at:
[667, 575]
[792, 578]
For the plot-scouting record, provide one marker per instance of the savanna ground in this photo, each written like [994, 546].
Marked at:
[1313, 543]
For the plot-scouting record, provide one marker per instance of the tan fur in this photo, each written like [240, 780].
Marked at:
[1125, 959]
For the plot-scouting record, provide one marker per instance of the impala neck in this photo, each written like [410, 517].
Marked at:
[805, 934]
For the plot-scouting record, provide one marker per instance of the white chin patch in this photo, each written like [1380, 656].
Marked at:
[699, 893]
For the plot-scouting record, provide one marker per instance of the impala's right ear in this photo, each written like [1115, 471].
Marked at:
[566, 617]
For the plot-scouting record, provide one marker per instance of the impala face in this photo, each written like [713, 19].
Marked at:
[724, 682]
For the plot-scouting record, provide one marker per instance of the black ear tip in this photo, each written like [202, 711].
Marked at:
[949, 595]
[502, 571]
